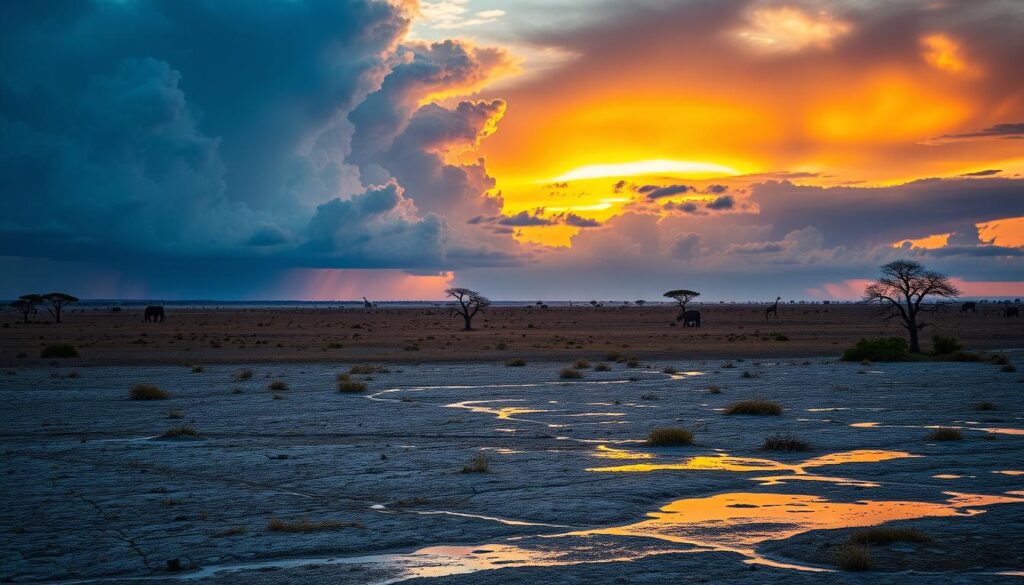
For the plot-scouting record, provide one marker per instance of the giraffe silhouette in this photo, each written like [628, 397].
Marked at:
[772, 311]
[367, 305]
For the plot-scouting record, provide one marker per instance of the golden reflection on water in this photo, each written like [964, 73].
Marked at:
[748, 464]
[606, 452]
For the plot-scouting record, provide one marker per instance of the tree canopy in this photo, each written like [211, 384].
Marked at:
[469, 303]
[903, 287]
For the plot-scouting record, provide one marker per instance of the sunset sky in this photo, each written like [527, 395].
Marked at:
[557, 149]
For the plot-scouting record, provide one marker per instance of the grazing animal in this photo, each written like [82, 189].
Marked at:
[1011, 312]
[969, 308]
[154, 313]
[691, 319]
[773, 311]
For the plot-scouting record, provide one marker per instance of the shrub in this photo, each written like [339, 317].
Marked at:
[714, 389]
[613, 356]
[278, 385]
[306, 525]
[368, 369]
[243, 375]
[478, 464]
[147, 392]
[233, 531]
[853, 557]
[757, 407]
[351, 387]
[516, 363]
[881, 349]
[179, 432]
[570, 373]
[670, 371]
[984, 406]
[669, 437]
[602, 367]
[59, 350]
[198, 369]
[785, 443]
[748, 374]
[945, 434]
[942, 345]
[175, 414]
[884, 535]
[581, 364]
[633, 363]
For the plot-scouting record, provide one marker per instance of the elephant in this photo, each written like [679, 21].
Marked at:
[691, 319]
[1011, 312]
[969, 308]
[155, 313]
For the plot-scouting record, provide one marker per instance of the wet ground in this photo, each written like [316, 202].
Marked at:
[371, 488]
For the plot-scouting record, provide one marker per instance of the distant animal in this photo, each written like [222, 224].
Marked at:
[691, 319]
[1011, 312]
[115, 310]
[969, 308]
[154, 313]
[367, 305]
[773, 311]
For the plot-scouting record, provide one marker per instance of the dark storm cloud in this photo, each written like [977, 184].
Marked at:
[722, 202]
[654, 193]
[996, 131]
[985, 173]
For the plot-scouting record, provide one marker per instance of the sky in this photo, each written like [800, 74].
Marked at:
[528, 149]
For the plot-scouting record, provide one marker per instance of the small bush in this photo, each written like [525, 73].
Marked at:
[306, 525]
[714, 389]
[198, 369]
[885, 535]
[632, 363]
[670, 371]
[515, 363]
[748, 374]
[669, 437]
[179, 432]
[175, 414]
[942, 345]
[613, 356]
[233, 531]
[945, 434]
[243, 375]
[853, 557]
[351, 387]
[365, 369]
[570, 373]
[278, 385]
[984, 406]
[59, 350]
[478, 464]
[755, 407]
[147, 392]
[602, 367]
[581, 364]
[881, 349]
[786, 443]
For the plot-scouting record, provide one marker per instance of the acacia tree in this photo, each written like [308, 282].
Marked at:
[469, 304]
[682, 296]
[56, 302]
[26, 305]
[903, 286]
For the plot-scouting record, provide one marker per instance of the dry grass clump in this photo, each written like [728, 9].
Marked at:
[278, 385]
[198, 369]
[180, 432]
[581, 364]
[984, 406]
[306, 525]
[147, 392]
[853, 557]
[365, 369]
[884, 535]
[175, 414]
[478, 464]
[754, 407]
[243, 375]
[515, 363]
[748, 374]
[351, 387]
[714, 389]
[669, 437]
[570, 373]
[233, 531]
[602, 367]
[669, 370]
[787, 443]
[945, 434]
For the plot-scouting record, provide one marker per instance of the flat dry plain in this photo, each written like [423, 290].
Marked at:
[413, 335]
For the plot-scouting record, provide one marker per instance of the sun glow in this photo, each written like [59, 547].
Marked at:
[682, 168]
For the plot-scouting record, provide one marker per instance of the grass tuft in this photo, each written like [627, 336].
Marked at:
[669, 437]
[853, 557]
[278, 385]
[602, 367]
[478, 464]
[581, 364]
[945, 434]
[570, 373]
[754, 407]
[351, 387]
[243, 375]
[786, 443]
[515, 363]
[147, 392]
[984, 406]
[365, 369]
[179, 432]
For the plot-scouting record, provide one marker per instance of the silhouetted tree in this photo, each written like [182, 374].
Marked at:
[57, 301]
[469, 302]
[682, 296]
[903, 286]
[26, 305]
[640, 302]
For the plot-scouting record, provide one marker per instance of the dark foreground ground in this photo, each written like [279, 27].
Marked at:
[196, 336]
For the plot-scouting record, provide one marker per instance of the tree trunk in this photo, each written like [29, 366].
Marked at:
[56, 315]
[469, 321]
[915, 346]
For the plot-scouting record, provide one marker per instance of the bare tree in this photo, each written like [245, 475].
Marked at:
[682, 296]
[57, 301]
[26, 305]
[469, 304]
[640, 302]
[903, 286]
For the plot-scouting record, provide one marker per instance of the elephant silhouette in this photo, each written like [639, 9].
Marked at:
[969, 307]
[691, 319]
[1011, 312]
[154, 313]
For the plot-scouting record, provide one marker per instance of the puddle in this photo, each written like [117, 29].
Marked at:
[606, 452]
[992, 430]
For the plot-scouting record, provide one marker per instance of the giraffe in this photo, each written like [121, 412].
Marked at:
[773, 310]
[367, 305]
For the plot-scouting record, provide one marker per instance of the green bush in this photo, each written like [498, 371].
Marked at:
[942, 345]
[881, 349]
[60, 350]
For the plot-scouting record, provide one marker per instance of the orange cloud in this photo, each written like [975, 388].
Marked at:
[789, 29]
[945, 54]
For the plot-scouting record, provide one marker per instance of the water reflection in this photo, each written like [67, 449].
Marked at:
[725, 462]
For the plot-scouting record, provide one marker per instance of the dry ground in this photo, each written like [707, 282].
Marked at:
[430, 334]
